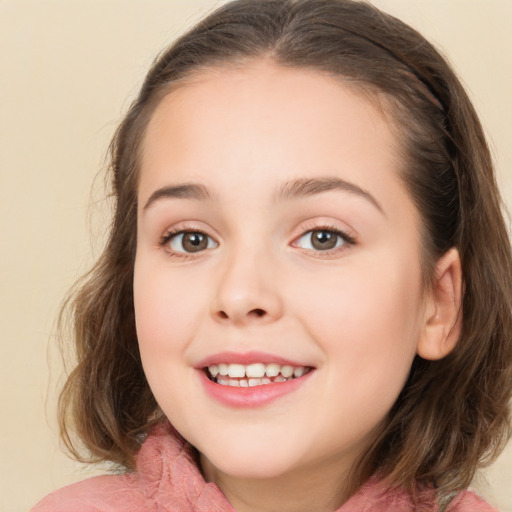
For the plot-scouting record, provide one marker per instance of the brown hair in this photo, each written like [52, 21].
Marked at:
[453, 414]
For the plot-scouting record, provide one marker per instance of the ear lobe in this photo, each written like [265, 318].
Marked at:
[443, 310]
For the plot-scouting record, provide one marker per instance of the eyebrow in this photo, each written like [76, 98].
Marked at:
[311, 186]
[302, 187]
[181, 191]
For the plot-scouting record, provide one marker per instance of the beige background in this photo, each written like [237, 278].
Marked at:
[68, 71]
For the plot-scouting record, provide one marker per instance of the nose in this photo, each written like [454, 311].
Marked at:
[247, 291]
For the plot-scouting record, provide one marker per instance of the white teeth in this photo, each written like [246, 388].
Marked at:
[272, 370]
[287, 371]
[236, 370]
[257, 373]
[255, 370]
[299, 371]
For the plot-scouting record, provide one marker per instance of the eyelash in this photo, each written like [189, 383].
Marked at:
[170, 235]
[347, 240]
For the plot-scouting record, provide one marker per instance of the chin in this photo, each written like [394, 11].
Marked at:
[261, 467]
[251, 459]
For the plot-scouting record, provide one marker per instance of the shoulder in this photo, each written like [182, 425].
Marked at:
[109, 493]
[166, 478]
[469, 501]
[376, 495]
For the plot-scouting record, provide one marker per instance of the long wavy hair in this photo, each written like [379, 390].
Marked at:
[452, 415]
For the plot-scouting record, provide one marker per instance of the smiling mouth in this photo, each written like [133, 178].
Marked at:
[251, 375]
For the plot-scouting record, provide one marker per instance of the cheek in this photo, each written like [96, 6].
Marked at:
[167, 308]
[369, 333]
[367, 321]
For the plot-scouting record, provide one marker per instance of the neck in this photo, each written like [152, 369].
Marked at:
[318, 489]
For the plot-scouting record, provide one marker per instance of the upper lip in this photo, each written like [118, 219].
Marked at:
[247, 358]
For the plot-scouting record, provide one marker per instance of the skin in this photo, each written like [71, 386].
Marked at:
[358, 314]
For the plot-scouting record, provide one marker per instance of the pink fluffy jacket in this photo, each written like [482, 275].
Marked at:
[167, 479]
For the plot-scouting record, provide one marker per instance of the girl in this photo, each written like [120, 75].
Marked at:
[305, 300]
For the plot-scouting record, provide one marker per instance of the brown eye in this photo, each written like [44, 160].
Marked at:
[191, 241]
[321, 240]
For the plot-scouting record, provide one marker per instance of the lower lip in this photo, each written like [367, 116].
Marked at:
[256, 396]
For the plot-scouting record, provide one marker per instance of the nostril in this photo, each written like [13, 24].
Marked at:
[253, 313]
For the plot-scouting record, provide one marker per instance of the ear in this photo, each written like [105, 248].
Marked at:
[443, 311]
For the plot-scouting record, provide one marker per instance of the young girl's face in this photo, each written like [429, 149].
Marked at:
[275, 235]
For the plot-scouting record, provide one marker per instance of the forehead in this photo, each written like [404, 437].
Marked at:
[261, 121]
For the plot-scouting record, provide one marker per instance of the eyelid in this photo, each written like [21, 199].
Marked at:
[347, 234]
[188, 226]
[326, 224]
[307, 238]
[210, 242]
[347, 238]
[171, 233]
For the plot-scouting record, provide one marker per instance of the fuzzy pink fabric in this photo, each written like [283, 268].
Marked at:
[168, 480]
